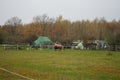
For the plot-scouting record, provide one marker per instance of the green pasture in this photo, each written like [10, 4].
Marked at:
[60, 65]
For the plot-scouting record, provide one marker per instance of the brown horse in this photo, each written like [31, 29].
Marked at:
[58, 46]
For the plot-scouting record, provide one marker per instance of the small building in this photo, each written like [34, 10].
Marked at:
[78, 45]
[100, 44]
[42, 42]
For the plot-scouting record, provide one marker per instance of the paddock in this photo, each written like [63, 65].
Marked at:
[48, 64]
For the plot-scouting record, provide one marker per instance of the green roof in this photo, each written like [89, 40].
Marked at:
[42, 41]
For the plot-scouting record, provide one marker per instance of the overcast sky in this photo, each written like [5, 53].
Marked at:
[69, 9]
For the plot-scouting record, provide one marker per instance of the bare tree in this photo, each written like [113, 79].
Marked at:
[43, 21]
[14, 21]
[12, 25]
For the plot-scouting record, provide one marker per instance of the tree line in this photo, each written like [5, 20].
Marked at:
[59, 29]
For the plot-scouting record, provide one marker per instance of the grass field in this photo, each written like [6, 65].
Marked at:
[60, 65]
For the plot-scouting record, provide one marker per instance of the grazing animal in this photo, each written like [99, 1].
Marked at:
[58, 46]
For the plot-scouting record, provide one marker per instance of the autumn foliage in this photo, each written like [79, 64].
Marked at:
[59, 29]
